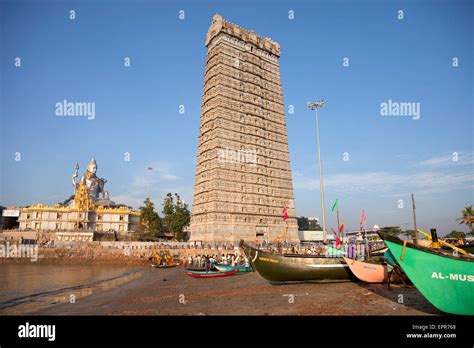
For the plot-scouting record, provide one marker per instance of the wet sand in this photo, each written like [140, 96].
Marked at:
[150, 291]
[26, 288]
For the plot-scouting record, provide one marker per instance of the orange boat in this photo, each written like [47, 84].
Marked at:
[369, 272]
[376, 272]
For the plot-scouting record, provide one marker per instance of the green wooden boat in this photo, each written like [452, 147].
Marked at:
[297, 267]
[241, 268]
[447, 281]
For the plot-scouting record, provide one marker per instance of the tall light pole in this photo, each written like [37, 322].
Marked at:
[149, 169]
[315, 106]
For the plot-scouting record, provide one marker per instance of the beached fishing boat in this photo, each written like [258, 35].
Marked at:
[210, 274]
[446, 280]
[369, 272]
[374, 270]
[297, 267]
[241, 268]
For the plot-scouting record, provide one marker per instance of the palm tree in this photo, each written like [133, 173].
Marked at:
[467, 217]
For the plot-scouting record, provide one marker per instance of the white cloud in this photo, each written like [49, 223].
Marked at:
[447, 161]
[160, 172]
[432, 180]
[389, 183]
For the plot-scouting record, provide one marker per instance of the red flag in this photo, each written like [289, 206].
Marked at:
[341, 228]
[285, 214]
[338, 240]
[362, 218]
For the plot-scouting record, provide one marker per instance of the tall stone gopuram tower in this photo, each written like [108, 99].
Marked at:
[243, 175]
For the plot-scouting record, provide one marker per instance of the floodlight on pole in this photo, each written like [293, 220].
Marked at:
[314, 106]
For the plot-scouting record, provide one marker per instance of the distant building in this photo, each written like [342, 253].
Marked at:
[59, 218]
[358, 235]
[314, 236]
[86, 213]
[9, 218]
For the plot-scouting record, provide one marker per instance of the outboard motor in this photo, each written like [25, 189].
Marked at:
[434, 239]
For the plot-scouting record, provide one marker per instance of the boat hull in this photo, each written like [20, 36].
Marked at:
[241, 269]
[445, 281]
[368, 272]
[211, 274]
[294, 268]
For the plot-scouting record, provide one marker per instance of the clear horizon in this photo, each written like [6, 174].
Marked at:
[360, 57]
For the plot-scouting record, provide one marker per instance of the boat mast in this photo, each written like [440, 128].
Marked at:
[415, 236]
[366, 240]
[337, 228]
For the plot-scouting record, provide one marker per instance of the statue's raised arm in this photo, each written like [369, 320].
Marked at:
[74, 182]
[102, 182]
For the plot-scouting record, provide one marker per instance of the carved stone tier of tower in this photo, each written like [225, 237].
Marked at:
[243, 175]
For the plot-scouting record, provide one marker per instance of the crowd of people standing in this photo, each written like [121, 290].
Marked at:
[208, 262]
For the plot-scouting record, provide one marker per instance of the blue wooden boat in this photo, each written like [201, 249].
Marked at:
[240, 268]
[210, 274]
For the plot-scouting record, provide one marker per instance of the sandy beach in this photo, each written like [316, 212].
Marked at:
[149, 291]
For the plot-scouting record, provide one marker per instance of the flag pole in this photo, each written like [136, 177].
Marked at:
[415, 235]
[338, 225]
[365, 232]
[365, 224]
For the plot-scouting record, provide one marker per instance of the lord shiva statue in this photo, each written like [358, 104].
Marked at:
[95, 185]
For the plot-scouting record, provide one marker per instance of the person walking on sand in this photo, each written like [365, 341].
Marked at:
[237, 260]
[185, 262]
[247, 265]
[212, 262]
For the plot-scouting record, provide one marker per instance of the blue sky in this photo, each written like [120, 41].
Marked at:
[137, 107]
